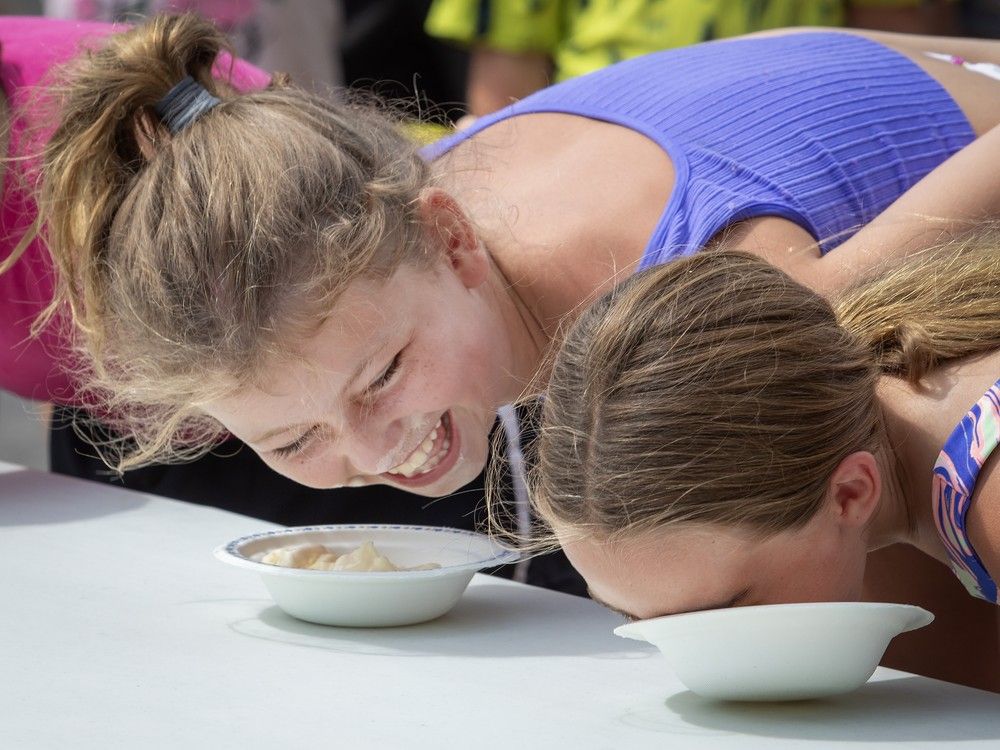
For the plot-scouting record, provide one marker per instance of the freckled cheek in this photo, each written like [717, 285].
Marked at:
[450, 374]
[427, 386]
[472, 346]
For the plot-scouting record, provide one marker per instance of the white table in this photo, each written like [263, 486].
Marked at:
[119, 630]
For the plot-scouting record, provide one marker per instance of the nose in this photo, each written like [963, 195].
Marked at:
[370, 448]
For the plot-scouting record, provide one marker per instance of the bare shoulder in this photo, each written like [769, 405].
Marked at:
[554, 188]
[781, 242]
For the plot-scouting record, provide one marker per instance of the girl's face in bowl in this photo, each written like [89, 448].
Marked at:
[713, 567]
[399, 386]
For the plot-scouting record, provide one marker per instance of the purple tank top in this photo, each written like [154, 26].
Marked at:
[825, 129]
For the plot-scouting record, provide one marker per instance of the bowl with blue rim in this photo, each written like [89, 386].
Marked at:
[366, 575]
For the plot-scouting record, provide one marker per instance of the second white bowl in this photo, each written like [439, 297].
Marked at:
[777, 652]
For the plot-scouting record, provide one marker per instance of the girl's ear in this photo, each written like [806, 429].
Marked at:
[855, 488]
[451, 233]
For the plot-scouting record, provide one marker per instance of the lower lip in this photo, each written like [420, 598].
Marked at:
[445, 465]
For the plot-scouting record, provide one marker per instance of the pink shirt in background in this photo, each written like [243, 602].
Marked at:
[29, 49]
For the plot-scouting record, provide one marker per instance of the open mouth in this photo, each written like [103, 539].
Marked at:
[432, 459]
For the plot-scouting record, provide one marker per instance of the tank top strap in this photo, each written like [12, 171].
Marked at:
[955, 473]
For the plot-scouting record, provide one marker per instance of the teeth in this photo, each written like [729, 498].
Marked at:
[415, 463]
[435, 460]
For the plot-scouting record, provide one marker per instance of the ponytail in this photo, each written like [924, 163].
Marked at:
[940, 305]
[107, 131]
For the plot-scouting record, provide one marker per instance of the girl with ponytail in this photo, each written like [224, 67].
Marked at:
[716, 434]
[102, 131]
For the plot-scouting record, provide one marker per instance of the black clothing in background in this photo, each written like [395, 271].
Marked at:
[386, 50]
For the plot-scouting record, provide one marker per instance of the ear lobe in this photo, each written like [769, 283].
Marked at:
[450, 231]
[855, 489]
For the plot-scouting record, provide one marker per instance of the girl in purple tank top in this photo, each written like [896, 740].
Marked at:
[199, 258]
[290, 270]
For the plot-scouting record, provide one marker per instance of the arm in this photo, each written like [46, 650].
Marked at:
[951, 200]
[498, 78]
[982, 521]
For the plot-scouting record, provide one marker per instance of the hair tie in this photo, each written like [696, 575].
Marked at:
[183, 104]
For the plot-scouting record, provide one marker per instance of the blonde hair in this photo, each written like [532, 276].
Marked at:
[187, 261]
[717, 390]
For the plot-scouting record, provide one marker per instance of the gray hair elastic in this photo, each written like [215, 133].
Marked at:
[183, 104]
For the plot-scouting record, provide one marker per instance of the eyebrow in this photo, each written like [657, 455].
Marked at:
[629, 616]
[366, 362]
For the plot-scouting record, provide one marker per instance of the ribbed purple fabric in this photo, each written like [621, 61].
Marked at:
[823, 128]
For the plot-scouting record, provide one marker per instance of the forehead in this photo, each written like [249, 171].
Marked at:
[365, 314]
[654, 548]
[661, 572]
[369, 303]
[363, 320]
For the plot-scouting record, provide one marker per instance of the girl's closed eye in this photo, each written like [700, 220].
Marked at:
[386, 376]
[296, 446]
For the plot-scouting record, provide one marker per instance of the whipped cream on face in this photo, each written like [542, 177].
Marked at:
[365, 558]
[429, 453]
[415, 432]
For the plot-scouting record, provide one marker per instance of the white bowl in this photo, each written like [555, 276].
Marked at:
[780, 651]
[370, 599]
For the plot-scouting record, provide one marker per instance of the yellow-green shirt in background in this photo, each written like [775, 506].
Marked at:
[584, 35]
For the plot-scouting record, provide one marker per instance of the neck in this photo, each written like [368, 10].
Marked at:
[528, 341]
[894, 521]
[906, 459]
